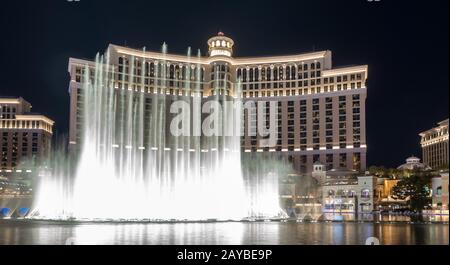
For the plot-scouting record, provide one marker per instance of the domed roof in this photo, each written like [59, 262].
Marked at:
[220, 45]
[412, 159]
[412, 163]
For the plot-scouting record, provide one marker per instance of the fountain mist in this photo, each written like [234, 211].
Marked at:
[131, 167]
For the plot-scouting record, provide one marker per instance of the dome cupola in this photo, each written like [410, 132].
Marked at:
[220, 45]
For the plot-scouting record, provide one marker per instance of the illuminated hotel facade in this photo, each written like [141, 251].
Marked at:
[434, 144]
[321, 109]
[25, 136]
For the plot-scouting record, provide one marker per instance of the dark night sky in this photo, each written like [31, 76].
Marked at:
[404, 43]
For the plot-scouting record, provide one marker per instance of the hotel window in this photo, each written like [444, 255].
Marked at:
[275, 74]
[365, 194]
[288, 72]
[244, 75]
[239, 73]
[339, 79]
[342, 160]
[358, 76]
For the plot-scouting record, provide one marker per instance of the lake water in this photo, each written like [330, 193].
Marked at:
[252, 233]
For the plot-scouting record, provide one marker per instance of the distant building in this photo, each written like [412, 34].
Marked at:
[413, 163]
[440, 191]
[346, 191]
[24, 136]
[434, 144]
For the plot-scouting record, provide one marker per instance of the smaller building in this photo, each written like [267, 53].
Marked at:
[346, 191]
[440, 192]
[25, 137]
[413, 163]
[434, 144]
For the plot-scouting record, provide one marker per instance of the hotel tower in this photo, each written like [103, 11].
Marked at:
[320, 109]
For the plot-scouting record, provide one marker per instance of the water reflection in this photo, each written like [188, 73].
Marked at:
[327, 233]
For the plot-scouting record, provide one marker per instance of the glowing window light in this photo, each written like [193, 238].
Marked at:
[220, 52]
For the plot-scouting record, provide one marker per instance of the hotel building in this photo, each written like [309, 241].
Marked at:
[321, 109]
[434, 144]
[24, 136]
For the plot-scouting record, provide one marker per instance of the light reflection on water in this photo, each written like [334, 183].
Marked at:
[234, 233]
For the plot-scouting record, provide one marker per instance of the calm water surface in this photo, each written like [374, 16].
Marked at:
[43, 232]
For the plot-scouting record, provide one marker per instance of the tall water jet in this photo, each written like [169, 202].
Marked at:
[132, 166]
